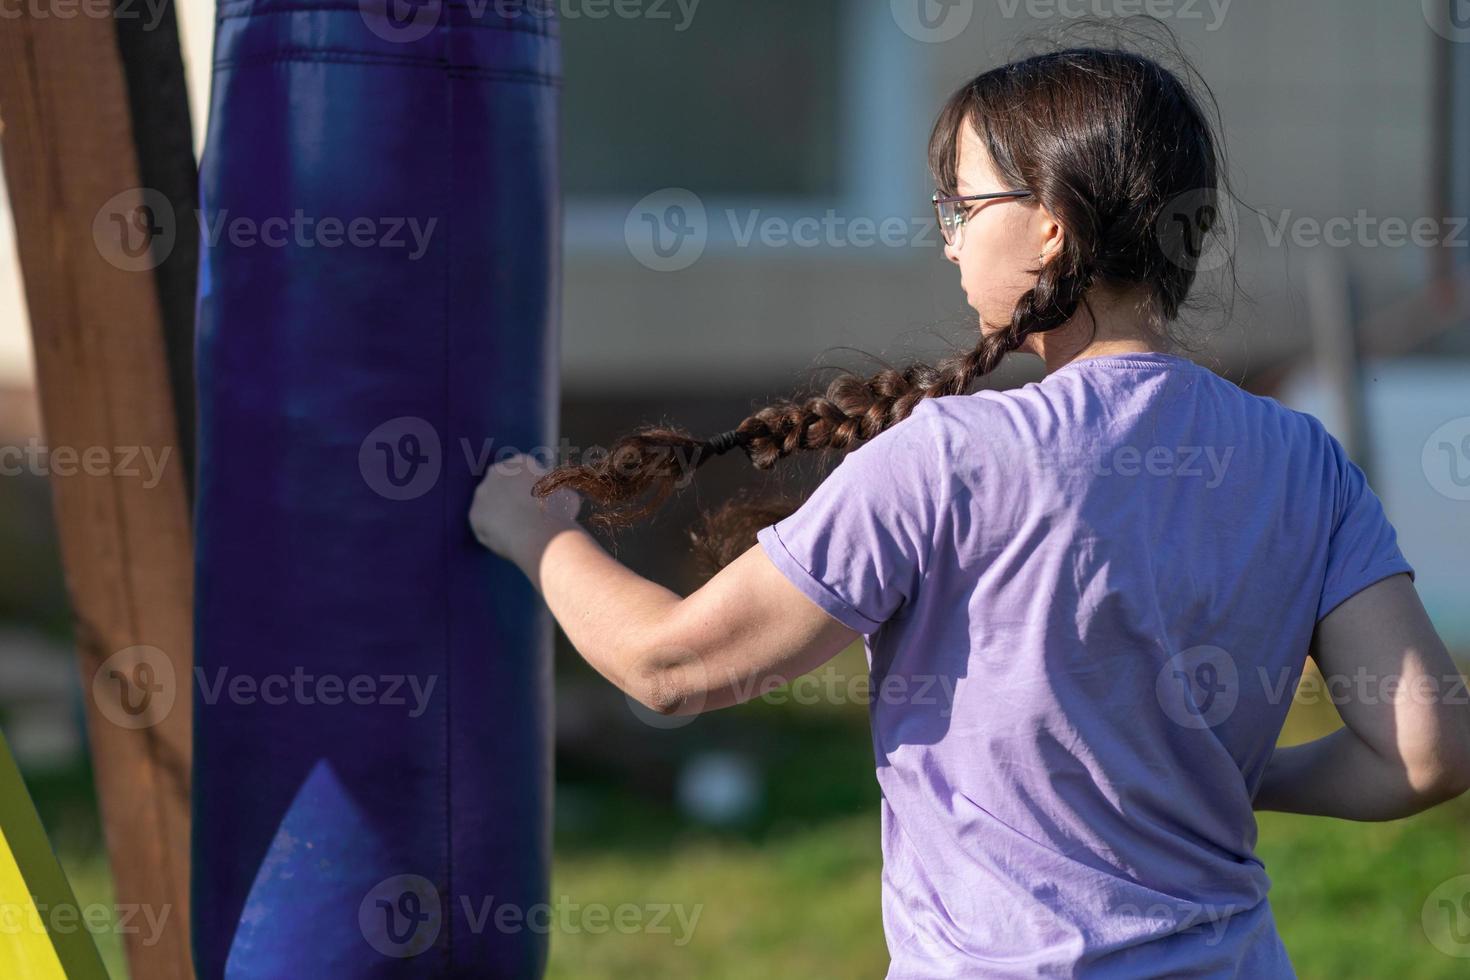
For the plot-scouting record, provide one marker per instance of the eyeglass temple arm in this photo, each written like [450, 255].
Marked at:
[943, 199]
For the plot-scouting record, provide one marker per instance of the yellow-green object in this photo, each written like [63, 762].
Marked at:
[43, 935]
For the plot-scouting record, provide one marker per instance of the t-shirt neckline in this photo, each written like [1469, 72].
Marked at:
[1133, 359]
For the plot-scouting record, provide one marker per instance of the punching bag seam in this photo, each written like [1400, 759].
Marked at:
[366, 58]
[447, 48]
[249, 9]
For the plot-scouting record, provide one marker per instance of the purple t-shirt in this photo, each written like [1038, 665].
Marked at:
[1086, 605]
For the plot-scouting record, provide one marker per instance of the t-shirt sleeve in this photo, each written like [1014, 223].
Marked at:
[1363, 547]
[859, 545]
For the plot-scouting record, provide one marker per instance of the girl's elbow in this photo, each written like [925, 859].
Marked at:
[1454, 770]
[658, 688]
[1443, 779]
[1452, 782]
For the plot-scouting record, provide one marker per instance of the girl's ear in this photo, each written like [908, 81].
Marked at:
[1051, 236]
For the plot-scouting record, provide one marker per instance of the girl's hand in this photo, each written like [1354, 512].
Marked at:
[509, 521]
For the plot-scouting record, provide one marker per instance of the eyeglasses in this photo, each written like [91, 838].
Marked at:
[952, 216]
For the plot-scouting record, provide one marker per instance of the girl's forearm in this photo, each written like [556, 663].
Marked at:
[610, 614]
[1341, 776]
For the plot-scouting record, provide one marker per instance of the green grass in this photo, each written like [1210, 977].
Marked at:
[795, 891]
[805, 906]
[91, 883]
[1347, 897]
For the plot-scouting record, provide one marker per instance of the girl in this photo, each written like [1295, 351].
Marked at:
[1085, 602]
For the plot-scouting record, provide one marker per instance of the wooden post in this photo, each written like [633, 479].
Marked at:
[89, 239]
[1333, 312]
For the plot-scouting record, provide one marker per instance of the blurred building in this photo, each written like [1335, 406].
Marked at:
[746, 189]
[772, 117]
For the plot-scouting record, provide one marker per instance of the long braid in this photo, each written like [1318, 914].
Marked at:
[851, 410]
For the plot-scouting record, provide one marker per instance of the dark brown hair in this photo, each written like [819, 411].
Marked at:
[1111, 143]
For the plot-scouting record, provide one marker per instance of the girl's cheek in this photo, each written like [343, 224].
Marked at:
[995, 293]
[981, 276]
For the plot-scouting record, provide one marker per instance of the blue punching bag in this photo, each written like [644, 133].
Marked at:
[378, 309]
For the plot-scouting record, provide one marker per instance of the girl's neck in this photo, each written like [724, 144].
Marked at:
[1115, 326]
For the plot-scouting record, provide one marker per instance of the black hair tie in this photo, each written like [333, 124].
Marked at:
[724, 442]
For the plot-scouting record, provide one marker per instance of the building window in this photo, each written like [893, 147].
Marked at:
[764, 108]
[743, 100]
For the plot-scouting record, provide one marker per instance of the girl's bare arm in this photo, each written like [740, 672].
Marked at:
[743, 632]
[1405, 744]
